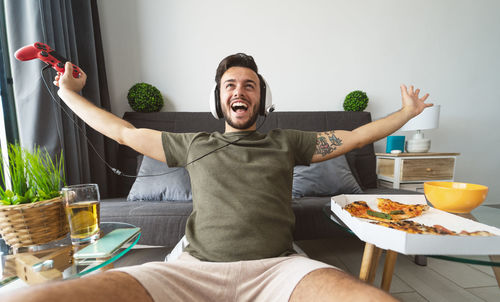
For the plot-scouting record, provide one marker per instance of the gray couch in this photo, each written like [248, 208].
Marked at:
[163, 222]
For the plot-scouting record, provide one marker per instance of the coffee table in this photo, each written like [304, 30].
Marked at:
[483, 214]
[69, 269]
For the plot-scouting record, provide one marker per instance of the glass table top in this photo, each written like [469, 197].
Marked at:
[483, 214]
[74, 269]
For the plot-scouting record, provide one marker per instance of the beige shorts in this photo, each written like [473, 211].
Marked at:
[189, 279]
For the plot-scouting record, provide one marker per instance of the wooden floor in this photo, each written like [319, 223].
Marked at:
[439, 281]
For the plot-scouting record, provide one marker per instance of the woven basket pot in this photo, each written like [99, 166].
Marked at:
[33, 223]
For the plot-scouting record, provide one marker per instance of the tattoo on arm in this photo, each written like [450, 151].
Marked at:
[322, 146]
[333, 139]
[326, 143]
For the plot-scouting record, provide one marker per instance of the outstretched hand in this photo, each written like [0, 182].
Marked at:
[67, 80]
[411, 102]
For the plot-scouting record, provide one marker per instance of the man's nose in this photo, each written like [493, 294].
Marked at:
[238, 91]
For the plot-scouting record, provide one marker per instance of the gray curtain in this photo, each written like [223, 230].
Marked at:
[72, 29]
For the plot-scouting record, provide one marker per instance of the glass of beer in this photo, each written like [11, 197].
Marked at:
[82, 209]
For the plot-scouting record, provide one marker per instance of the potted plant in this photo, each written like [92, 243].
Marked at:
[356, 100]
[143, 97]
[31, 211]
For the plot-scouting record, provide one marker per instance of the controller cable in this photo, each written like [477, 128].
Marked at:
[115, 170]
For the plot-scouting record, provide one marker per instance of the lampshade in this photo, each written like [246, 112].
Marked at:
[428, 119]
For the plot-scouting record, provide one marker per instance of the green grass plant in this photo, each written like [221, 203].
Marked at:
[34, 176]
[46, 176]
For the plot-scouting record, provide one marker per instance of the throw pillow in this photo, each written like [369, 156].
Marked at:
[172, 185]
[352, 163]
[327, 178]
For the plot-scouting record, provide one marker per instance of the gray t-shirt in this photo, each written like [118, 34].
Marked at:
[241, 192]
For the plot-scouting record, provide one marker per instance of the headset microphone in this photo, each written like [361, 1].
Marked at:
[270, 109]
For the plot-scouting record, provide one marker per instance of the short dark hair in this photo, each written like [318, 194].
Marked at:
[239, 60]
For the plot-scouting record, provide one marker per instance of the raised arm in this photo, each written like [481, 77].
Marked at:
[330, 144]
[145, 141]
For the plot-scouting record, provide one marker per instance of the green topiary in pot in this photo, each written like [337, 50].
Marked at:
[143, 97]
[356, 101]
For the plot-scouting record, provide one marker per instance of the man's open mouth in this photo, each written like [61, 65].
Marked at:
[239, 107]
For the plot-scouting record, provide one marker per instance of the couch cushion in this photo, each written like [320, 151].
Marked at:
[161, 223]
[327, 178]
[170, 183]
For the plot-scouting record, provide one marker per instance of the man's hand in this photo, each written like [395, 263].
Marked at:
[331, 144]
[67, 81]
[412, 104]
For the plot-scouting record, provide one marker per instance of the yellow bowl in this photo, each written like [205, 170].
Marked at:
[455, 197]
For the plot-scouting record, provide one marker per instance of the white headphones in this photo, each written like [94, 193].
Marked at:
[266, 100]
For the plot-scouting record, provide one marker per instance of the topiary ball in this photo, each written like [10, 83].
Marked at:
[356, 101]
[143, 97]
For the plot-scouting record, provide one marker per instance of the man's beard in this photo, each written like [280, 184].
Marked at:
[244, 126]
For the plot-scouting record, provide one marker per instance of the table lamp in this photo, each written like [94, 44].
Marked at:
[428, 119]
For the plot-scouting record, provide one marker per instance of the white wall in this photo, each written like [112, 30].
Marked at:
[314, 52]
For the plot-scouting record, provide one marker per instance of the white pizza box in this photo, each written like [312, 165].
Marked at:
[416, 244]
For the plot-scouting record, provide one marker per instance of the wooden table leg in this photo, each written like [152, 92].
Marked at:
[373, 270]
[390, 263]
[369, 263]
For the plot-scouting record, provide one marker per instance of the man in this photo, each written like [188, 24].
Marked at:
[240, 231]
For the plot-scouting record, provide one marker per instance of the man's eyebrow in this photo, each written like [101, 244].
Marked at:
[246, 81]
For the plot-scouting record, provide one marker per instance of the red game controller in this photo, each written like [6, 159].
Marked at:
[48, 55]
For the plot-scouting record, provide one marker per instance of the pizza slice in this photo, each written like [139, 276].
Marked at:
[400, 211]
[393, 216]
[361, 209]
[413, 227]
